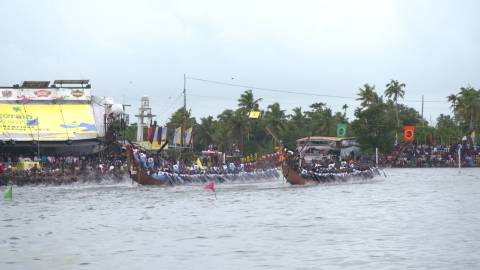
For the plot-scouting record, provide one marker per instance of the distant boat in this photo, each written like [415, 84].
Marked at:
[295, 178]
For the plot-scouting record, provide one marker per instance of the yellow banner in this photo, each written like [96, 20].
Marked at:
[52, 122]
[152, 146]
[26, 165]
[254, 114]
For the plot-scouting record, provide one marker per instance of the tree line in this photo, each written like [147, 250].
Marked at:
[378, 122]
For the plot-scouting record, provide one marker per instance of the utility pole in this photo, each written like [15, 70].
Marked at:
[124, 122]
[184, 126]
[423, 122]
[38, 140]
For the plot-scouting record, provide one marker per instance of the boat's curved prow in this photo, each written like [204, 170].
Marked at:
[138, 174]
[292, 176]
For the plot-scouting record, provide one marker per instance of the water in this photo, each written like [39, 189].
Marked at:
[415, 218]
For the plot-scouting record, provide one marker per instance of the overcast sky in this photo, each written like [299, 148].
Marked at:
[133, 48]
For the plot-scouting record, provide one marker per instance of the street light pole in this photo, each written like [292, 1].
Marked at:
[38, 139]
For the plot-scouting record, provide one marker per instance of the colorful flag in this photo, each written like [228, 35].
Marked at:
[341, 130]
[254, 114]
[156, 134]
[199, 164]
[8, 194]
[151, 133]
[409, 133]
[164, 133]
[177, 137]
[188, 136]
[159, 135]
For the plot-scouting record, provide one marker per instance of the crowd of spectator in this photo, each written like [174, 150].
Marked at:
[59, 169]
[429, 155]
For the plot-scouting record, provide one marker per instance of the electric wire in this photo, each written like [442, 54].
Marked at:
[291, 91]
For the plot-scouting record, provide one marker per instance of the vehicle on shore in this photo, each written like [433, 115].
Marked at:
[317, 148]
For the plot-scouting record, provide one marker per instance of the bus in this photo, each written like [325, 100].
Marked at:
[318, 148]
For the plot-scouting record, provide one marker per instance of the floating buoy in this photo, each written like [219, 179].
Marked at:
[8, 194]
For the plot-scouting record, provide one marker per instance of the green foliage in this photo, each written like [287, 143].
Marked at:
[447, 131]
[466, 108]
[131, 132]
[375, 127]
[377, 122]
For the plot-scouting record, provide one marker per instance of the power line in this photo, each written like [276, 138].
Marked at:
[263, 100]
[291, 91]
[267, 89]
[171, 105]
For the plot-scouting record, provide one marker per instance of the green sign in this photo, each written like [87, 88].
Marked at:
[341, 130]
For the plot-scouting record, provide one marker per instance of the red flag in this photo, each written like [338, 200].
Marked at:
[210, 186]
[409, 133]
[150, 134]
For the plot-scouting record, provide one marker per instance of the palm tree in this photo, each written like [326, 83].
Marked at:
[247, 102]
[367, 95]
[394, 91]
[204, 131]
[467, 106]
[222, 135]
[275, 118]
[320, 119]
[453, 100]
[344, 108]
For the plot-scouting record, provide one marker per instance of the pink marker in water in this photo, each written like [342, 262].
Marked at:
[210, 186]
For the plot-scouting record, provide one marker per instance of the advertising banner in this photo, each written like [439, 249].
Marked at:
[13, 94]
[53, 122]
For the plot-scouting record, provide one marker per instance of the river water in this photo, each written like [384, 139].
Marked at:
[413, 218]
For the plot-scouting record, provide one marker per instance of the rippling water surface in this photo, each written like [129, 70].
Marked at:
[413, 218]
